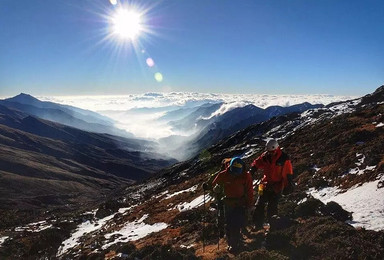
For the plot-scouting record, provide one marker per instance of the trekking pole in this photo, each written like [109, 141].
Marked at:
[204, 221]
[218, 225]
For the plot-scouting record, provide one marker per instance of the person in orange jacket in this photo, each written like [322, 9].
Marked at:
[278, 177]
[238, 190]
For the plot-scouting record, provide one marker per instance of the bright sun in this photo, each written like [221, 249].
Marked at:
[126, 24]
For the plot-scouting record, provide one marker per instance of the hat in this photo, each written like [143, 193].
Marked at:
[236, 166]
[271, 145]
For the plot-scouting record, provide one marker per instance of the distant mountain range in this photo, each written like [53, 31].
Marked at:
[67, 115]
[45, 163]
[208, 129]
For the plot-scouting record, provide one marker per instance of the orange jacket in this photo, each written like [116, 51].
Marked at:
[236, 187]
[276, 169]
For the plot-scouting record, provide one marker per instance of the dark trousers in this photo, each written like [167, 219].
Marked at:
[272, 199]
[235, 220]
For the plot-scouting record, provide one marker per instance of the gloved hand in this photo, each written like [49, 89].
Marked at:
[291, 185]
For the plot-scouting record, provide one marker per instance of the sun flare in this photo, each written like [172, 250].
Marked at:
[126, 24]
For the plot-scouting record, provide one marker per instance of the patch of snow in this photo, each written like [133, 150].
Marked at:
[361, 160]
[124, 210]
[365, 202]
[370, 168]
[199, 201]
[187, 247]
[84, 228]
[93, 212]
[324, 194]
[250, 153]
[2, 239]
[184, 173]
[380, 125]
[310, 117]
[356, 171]
[315, 168]
[34, 227]
[161, 194]
[192, 189]
[362, 171]
[133, 231]
[345, 107]
[302, 201]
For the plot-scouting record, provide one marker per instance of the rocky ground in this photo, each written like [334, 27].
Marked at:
[168, 216]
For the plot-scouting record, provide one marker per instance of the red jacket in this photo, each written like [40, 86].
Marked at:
[236, 187]
[276, 168]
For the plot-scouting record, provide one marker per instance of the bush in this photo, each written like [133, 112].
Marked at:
[335, 210]
[311, 207]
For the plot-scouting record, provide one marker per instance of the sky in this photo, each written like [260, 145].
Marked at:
[72, 47]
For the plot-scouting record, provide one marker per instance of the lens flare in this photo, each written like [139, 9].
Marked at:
[158, 77]
[113, 2]
[150, 62]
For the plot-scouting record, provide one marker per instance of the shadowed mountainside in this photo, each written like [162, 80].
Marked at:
[44, 164]
[210, 130]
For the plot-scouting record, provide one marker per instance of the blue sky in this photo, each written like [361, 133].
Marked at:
[61, 47]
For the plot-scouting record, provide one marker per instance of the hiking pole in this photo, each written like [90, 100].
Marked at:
[203, 220]
[218, 225]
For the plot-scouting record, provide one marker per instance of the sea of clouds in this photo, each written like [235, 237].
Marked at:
[138, 113]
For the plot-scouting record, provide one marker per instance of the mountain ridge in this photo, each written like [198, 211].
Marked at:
[67, 115]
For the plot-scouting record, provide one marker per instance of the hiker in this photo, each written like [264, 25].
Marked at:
[238, 191]
[218, 194]
[278, 177]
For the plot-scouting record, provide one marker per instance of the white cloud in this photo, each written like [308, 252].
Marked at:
[144, 124]
[226, 107]
[126, 102]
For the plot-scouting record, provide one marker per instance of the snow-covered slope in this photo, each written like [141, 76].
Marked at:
[365, 201]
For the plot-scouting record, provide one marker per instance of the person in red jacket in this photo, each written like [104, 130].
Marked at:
[238, 190]
[278, 175]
